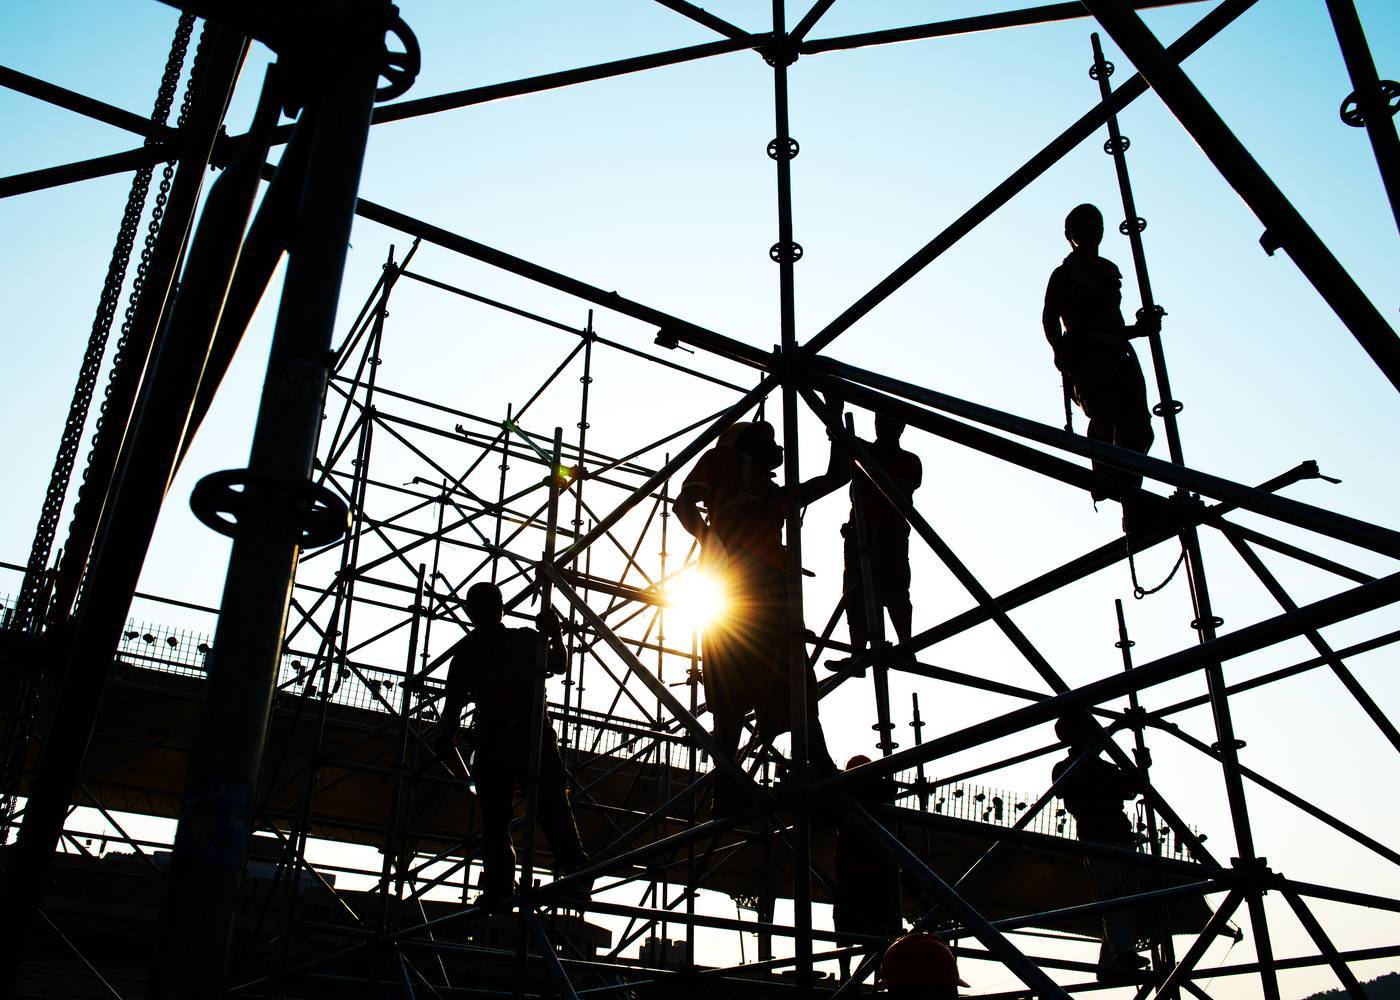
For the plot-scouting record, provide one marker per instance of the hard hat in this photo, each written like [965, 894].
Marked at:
[859, 760]
[919, 960]
[729, 437]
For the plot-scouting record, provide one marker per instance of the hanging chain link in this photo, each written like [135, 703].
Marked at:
[29, 612]
[32, 605]
[1139, 591]
[117, 372]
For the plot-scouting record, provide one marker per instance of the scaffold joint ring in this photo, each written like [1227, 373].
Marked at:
[236, 500]
[775, 151]
[785, 253]
[1352, 113]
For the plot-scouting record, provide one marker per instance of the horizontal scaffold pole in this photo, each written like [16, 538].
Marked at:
[1339, 526]
[1328, 611]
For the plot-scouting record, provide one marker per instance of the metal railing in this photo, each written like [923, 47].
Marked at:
[355, 684]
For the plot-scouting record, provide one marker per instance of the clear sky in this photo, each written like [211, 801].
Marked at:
[657, 186]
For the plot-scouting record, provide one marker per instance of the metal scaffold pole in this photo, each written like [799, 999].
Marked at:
[274, 512]
[786, 252]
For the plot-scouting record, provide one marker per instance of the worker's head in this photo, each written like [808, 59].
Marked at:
[759, 441]
[1077, 729]
[859, 760]
[888, 429]
[729, 437]
[485, 606]
[1084, 227]
[920, 965]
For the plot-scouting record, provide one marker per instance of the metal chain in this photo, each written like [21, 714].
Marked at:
[116, 371]
[31, 607]
[29, 612]
[1139, 591]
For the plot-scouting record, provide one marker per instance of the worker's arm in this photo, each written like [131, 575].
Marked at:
[455, 700]
[837, 474]
[687, 510]
[548, 622]
[1050, 319]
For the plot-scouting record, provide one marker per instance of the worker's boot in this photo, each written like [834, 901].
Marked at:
[1145, 512]
[1120, 967]
[583, 888]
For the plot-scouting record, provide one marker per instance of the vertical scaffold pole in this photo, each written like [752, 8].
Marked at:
[391, 873]
[576, 523]
[1166, 955]
[501, 491]
[212, 837]
[538, 717]
[1205, 623]
[1369, 104]
[1132, 226]
[786, 252]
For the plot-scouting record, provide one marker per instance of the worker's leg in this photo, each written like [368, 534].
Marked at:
[818, 756]
[553, 811]
[893, 579]
[1098, 400]
[495, 794]
[729, 796]
[853, 585]
[1109, 880]
[1134, 428]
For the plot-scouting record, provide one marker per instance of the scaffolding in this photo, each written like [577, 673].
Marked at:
[304, 718]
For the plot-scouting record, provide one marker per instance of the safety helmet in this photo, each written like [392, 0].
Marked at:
[919, 959]
[859, 760]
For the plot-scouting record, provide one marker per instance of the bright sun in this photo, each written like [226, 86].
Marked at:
[695, 599]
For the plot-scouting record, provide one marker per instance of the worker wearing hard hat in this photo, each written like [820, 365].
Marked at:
[920, 966]
[746, 666]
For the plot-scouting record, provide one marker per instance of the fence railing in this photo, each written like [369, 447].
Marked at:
[355, 684]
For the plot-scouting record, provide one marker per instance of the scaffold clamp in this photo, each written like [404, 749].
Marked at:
[234, 500]
[1353, 114]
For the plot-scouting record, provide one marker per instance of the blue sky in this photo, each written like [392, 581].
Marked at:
[657, 186]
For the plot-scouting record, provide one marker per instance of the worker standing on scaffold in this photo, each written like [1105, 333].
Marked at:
[886, 536]
[1094, 793]
[1083, 320]
[741, 538]
[496, 667]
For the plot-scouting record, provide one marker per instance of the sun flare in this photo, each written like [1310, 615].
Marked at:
[695, 600]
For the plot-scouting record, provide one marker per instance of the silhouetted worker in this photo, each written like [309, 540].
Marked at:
[920, 966]
[498, 668]
[886, 536]
[867, 885]
[746, 666]
[1094, 793]
[1083, 321]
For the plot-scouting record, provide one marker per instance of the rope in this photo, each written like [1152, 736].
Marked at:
[1139, 591]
